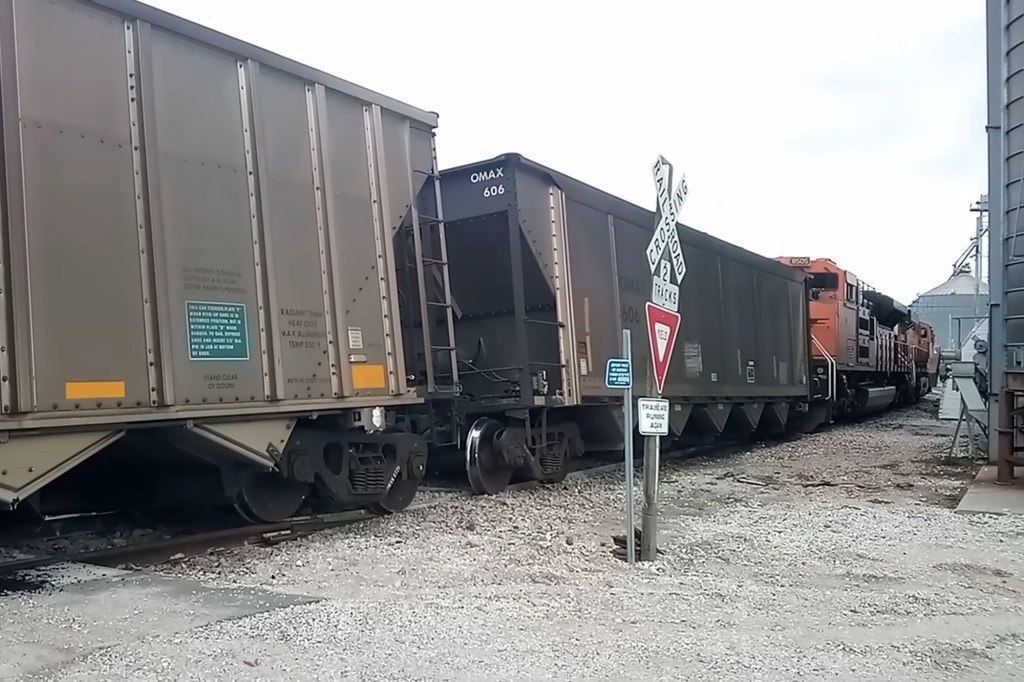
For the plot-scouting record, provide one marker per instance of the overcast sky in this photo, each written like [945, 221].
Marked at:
[853, 131]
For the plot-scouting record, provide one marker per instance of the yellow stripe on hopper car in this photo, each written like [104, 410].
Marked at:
[368, 376]
[93, 390]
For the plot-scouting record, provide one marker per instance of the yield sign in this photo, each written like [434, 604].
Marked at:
[662, 327]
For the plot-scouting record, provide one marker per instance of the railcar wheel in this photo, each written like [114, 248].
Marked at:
[398, 497]
[486, 468]
[268, 497]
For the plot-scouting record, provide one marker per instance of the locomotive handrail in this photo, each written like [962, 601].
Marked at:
[831, 367]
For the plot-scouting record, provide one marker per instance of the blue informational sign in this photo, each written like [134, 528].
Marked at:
[619, 374]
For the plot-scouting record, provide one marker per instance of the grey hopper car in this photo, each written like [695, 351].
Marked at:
[546, 271]
[198, 238]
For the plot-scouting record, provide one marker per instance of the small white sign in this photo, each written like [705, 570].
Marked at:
[653, 414]
[355, 338]
[665, 294]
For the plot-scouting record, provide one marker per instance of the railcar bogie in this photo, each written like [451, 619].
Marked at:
[521, 445]
[332, 461]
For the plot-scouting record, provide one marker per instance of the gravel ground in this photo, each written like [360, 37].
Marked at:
[835, 556]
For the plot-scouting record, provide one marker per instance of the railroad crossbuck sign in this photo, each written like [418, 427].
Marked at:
[665, 258]
[665, 252]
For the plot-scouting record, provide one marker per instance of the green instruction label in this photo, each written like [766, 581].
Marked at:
[217, 331]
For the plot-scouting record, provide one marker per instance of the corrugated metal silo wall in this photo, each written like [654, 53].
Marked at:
[939, 311]
[1013, 234]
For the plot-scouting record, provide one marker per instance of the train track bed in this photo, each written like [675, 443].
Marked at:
[154, 544]
[835, 554]
[113, 540]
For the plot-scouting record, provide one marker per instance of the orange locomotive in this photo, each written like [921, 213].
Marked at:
[868, 353]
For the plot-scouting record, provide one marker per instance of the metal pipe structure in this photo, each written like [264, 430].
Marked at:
[981, 208]
[1006, 104]
[994, 130]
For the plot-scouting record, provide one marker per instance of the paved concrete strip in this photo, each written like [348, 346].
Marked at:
[71, 610]
[985, 497]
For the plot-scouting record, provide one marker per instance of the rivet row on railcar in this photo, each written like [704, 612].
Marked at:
[198, 257]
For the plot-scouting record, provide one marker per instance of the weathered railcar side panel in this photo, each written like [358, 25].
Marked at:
[359, 254]
[188, 228]
[592, 282]
[79, 310]
[741, 325]
[739, 290]
[799, 334]
[208, 230]
[302, 321]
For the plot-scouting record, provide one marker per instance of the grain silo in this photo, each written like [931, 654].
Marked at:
[950, 308]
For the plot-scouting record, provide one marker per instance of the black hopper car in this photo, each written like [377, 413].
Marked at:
[544, 272]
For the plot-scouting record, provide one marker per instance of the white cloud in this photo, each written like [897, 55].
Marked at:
[846, 130]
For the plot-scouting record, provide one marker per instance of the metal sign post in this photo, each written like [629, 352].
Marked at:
[619, 374]
[665, 259]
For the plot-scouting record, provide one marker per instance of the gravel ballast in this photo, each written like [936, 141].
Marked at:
[835, 556]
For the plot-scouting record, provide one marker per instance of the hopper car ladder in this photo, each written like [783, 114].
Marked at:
[431, 255]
